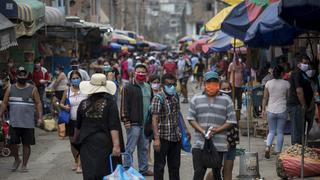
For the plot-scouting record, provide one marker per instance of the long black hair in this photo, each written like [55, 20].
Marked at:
[277, 72]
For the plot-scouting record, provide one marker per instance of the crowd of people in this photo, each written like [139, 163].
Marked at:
[134, 87]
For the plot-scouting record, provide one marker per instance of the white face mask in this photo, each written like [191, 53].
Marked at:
[10, 64]
[310, 73]
[155, 86]
[304, 67]
[225, 58]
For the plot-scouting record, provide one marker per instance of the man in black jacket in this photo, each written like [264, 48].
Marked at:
[135, 102]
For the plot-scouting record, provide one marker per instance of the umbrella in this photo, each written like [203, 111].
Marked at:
[242, 16]
[122, 39]
[198, 44]
[304, 14]
[214, 23]
[232, 2]
[115, 47]
[221, 42]
[186, 39]
[270, 30]
[156, 46]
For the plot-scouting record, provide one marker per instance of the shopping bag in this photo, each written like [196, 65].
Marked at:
[178, 88]
[185, 142]
[121, 174]
[62, 130]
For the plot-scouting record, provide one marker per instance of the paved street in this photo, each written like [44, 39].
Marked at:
[51, 159]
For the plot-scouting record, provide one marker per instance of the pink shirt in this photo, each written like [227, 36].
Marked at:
[124, 70]
[238, 70]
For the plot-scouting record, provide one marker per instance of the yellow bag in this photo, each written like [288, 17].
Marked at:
[62, 130]
[49, 125]
[195, 71]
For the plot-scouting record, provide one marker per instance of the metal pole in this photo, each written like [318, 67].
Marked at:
[304, 142]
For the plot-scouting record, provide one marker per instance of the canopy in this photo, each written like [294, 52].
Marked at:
[7, 33]
[304, 14]
[30, 12]
[242, 16]
[156, 46]
[54, 16]
[197, 45]
[122, 39]
[215, 23]
[232, 2]
[270, 30]
[186, 39]
[221, 42]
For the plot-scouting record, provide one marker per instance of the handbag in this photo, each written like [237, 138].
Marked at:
[210, 157]
[64, 116]
[185, 142]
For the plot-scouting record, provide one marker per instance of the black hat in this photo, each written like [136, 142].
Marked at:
[22, 72]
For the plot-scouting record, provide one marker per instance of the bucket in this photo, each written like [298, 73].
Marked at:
[249, 166]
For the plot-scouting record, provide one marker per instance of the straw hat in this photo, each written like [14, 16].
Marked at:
[98, 84]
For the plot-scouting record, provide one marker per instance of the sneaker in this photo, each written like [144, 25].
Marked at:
[267, 153]
[148, 173]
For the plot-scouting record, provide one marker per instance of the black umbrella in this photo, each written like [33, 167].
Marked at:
[304, 14]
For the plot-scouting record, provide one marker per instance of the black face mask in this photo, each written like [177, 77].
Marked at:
[22, 80]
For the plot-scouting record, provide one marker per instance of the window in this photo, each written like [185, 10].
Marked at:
[209, 6]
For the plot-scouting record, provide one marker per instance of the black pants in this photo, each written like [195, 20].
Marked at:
[170, 152]
[199, 169]
[238, 96]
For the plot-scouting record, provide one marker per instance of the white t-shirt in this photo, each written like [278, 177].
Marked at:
[278, 90]
[75, 100]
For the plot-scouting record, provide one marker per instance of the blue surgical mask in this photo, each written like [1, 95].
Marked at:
[171, 90]
[75, 82]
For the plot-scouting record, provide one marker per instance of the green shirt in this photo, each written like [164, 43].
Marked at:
[146, 93]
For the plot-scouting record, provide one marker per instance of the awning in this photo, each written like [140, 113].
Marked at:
[7, 33]
[29, 15]
[53, 16]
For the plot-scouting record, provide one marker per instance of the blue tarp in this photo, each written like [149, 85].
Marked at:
[270, 30]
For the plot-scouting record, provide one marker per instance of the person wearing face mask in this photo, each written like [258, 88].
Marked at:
[213, 110]
[135, 102]
[76, 67]
[166, 133]
[40, 77]
[22, 98]
[75, 97]
[169, 66]
[300, 102]
[108, 71]
[61, 83]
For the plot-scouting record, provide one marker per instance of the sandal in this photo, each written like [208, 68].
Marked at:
[15, 165]
[24, 170]
[79, 170]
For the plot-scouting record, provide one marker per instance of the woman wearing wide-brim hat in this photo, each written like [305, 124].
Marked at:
[98, 129]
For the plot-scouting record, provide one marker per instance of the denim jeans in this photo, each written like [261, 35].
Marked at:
[136, 138]
[297, 128]
[276, 126]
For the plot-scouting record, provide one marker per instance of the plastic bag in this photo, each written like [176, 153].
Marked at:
[315, 131]
[185, 142]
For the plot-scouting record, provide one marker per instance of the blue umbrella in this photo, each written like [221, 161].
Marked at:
[304, 14]
[270, 30]
[115, 47]
[221, 42]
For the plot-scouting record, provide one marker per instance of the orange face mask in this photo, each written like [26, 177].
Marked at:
[212, 88]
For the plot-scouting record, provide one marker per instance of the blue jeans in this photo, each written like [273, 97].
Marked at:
[136, 138]
[277, 124]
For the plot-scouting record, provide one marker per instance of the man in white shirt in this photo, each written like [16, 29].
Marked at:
[75, 67]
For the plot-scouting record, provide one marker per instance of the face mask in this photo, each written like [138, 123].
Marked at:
[75, 82]
[75, 67]
[212, 88]
[141, 76]
[226, 92]
[171, 90]
[57, 72]
[1, 83]
[38, 65]
[304, 67]
[155, 86]
[10, 64]
[22, 80]
[225, 58]
[310, 73]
